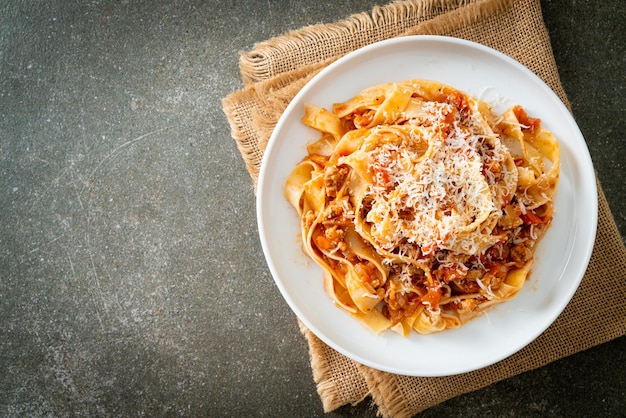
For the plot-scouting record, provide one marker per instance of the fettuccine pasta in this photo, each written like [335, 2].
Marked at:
[421, 205]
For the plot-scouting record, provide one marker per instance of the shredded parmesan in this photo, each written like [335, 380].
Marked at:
[438, 199]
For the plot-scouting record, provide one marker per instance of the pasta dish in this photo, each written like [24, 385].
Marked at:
[423, 206]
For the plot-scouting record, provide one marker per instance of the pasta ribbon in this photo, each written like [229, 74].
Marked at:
[423, 207]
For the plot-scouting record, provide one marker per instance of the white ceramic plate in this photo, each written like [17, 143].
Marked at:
[561, 258]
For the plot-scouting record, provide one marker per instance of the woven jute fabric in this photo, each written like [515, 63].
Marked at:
[275, 70]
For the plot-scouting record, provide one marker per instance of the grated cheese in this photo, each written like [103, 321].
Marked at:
[439, 198]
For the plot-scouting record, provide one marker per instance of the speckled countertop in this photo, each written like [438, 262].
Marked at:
[132, 280]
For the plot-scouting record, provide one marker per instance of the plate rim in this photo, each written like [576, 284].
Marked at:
[272, 143]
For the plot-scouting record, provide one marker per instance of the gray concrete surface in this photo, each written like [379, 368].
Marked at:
[132, 281]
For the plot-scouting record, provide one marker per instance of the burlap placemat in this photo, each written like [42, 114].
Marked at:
[275, 70]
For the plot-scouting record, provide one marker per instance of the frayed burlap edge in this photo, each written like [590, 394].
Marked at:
[253, 121]
[328, 369]
[383, 22]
